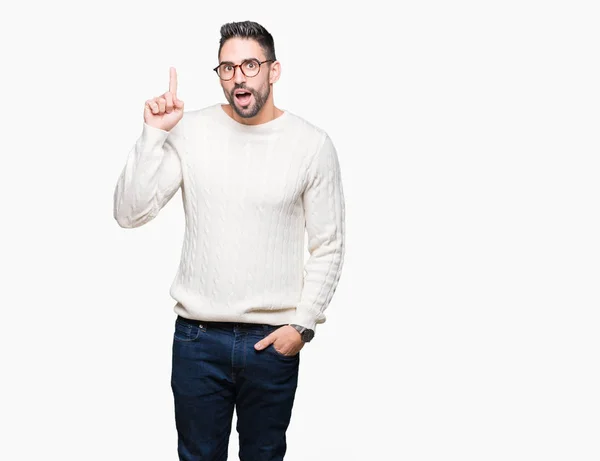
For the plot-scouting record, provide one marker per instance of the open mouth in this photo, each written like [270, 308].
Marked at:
[243, 97]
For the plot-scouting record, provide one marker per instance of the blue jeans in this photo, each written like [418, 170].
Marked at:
[216, 367]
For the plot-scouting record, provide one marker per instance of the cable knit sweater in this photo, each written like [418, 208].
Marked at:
[249, 194]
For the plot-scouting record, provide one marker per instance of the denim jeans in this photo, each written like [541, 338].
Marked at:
[216, 368]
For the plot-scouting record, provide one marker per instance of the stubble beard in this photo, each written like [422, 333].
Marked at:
[259, 98]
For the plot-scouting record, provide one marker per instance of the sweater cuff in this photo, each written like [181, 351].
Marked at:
[305, 318]
[152, 138]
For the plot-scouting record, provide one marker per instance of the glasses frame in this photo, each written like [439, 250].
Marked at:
[260, 63]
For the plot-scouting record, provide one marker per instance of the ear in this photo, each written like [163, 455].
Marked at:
[275, 72]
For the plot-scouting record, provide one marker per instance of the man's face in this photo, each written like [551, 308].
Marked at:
[235, 51]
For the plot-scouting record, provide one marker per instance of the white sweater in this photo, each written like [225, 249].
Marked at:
[249, 193]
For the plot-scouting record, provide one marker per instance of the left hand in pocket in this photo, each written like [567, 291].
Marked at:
[286, 340]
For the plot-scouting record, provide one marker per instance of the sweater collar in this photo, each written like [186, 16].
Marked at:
[268, 127]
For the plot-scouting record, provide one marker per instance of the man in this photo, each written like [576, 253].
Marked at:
[254, 178]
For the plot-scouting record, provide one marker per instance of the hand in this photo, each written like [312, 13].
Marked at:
[165, 111]
[286, 340]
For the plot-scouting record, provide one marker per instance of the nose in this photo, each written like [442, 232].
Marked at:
[238, 75]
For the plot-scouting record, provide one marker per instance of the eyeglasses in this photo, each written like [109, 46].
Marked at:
[250, 68]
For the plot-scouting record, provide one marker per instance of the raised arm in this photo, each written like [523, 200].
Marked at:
[152, 172]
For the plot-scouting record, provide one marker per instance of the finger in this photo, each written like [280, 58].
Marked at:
[147, 108]
[162, 104]
[265, 342]
[169, 102]
[151, 103]
[178, 104]
[173, 81]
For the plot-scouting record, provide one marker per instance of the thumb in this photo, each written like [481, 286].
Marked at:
[264, 342]
[178, 103]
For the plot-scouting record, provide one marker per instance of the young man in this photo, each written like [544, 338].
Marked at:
[254, 178]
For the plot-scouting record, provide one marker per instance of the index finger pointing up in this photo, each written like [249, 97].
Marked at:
[173, 81]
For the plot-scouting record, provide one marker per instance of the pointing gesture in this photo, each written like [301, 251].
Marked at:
[165, 111]
[173, 81]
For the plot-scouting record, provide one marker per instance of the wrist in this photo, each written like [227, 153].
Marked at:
[306, 334]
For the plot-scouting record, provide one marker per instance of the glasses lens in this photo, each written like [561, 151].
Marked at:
[225, 71]
[251, 67]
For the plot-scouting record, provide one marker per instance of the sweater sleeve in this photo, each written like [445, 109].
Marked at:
[151, 176]
[324, 211]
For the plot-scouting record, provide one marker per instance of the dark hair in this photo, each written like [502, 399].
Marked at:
[251, 30]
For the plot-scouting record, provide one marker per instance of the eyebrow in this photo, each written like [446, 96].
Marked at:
[231, 62]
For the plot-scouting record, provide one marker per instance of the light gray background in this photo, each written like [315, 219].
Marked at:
[465, 325]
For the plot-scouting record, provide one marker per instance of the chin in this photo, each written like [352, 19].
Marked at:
[246, 112]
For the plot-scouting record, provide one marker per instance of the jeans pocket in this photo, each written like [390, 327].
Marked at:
[271, 347]
[187, 331]
[276, 352]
